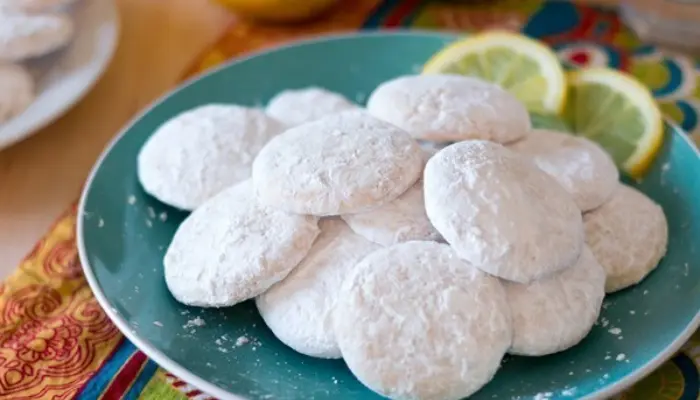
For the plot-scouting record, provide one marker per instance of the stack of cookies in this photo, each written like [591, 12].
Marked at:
[420, 238]
[29, 29]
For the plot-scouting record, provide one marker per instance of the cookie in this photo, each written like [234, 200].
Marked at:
[198, 153]
[16, 91]
[581, 166]
[555, 313]
[24, 36]
[450, 108]
[413, 321]
[400, 220]
[232, 249]
[344, 163]
[298, 106]
[299, 309]
[500, 212]
[628, 235]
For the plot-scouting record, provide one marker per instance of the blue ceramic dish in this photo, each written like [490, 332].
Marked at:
[123, 234]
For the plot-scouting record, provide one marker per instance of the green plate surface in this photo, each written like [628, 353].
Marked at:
[123, 234]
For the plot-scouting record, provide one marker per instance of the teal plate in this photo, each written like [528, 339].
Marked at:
[123, 234]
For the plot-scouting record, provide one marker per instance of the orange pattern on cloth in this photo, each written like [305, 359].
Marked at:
[53, 333]
[244, 36]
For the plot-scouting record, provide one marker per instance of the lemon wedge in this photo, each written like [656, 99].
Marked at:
[527, 68]
[619, 113]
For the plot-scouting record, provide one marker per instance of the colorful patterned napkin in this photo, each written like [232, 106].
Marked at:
[55, 341]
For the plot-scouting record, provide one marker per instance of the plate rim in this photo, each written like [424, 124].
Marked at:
[200, 383]
[41, 123]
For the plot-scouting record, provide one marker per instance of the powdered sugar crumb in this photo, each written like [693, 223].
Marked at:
[632, 312]
[620, 357]
[158, 324]
[100, 223]
[542, 396]
[569, 392]
[197, 321]
[163, 216]
[131, 199]
[615, 331]
[151, 213]
[241, 341]
[149, 223]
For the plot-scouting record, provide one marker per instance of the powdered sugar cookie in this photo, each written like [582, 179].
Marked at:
[500, 212]
[581, 166]
[556, 312]
[295, 107]
[400, 220]
[446, 108]
[16, 90]
[231, 249]
[628, 235]
[344, 163]
[200, 152]
[298, 309]
[33, 5]
[24, 36]
[414, 321]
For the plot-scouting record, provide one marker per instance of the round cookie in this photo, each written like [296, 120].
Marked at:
[16, 91]
[556, 312]
[344, 163]
[445, 108]
[298, 106]
[24, 36]
[33, 6]
[197, 154]
[581, 166]
[232, 249]
[400, 220]
[298, 309]
[414, 321]
[628, 236]
[500, 212]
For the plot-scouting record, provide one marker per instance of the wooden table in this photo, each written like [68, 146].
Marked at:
[42, 175]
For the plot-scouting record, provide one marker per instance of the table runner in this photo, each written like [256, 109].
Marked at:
[55, 341]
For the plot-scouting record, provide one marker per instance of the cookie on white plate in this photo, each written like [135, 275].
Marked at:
[16, 90]
[500, 212]
[34, 6]
[344, 163]
[556, 312]
[196, 154]
[450, 108]
[298, 106]
[413, 321]
[299, 309]
[232, 249]
[24, 36]
[581, 166]
[628, 235]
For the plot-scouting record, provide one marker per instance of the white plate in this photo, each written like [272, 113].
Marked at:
[65, 77]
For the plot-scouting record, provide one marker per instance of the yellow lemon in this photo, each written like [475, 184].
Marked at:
[278, 10]
[615, 110]
[527, 68]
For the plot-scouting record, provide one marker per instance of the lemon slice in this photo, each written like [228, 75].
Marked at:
[619, 113]
[525, 67]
